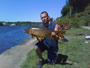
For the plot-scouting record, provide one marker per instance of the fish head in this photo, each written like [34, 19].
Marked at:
[29, 31]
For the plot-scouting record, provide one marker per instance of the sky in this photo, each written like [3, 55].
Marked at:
[29, 10]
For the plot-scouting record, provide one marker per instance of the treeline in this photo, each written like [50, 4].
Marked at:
[25, 23]
[1, 24]
[20, 23]
[75, 13]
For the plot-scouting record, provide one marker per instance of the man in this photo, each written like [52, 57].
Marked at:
[49, 44]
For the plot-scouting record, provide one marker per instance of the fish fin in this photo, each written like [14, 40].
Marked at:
[39, 38]
[61, 35]
[32, 36]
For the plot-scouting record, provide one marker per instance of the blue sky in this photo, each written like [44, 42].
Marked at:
[29, 10]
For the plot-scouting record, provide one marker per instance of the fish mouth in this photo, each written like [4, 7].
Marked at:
[25, 31]
[28, 32]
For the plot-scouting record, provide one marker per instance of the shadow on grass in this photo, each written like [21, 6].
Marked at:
[63, 60]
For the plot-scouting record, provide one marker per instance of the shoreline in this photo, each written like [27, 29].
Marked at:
[15, 56]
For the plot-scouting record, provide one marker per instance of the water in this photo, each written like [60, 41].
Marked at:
[11, 36]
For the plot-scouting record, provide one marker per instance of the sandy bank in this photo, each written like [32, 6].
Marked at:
[15, 56]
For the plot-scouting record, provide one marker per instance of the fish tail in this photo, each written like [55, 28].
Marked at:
[61, 35]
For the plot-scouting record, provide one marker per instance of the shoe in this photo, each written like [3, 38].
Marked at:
[40, 64]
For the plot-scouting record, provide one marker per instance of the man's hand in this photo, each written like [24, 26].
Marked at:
[54, 36]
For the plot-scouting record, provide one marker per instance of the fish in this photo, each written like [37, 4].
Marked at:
[42, 32]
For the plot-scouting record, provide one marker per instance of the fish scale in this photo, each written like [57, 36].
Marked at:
[42, 32]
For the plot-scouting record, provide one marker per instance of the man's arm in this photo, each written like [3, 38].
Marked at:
[57, 27]
[53, 34]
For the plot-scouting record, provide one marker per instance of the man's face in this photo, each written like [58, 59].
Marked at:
[44, 18]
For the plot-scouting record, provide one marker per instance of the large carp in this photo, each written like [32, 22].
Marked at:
[41, 32]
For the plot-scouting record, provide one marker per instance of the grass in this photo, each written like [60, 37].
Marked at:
[76, 49]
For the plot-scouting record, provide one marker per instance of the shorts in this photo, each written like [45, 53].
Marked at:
[52, 52]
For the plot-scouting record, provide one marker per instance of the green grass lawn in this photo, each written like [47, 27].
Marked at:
[76, 49]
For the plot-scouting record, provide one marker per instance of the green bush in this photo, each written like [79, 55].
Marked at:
[75, 22]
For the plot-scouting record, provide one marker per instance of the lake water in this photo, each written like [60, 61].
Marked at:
[11, 36]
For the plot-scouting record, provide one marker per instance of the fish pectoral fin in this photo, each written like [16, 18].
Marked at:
[32, 36]
[39, 38]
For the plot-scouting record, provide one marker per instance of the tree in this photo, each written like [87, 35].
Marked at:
[65, 11]
[78, 5]
[1, 24]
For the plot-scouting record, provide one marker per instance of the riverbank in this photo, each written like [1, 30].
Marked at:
[15, 56]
